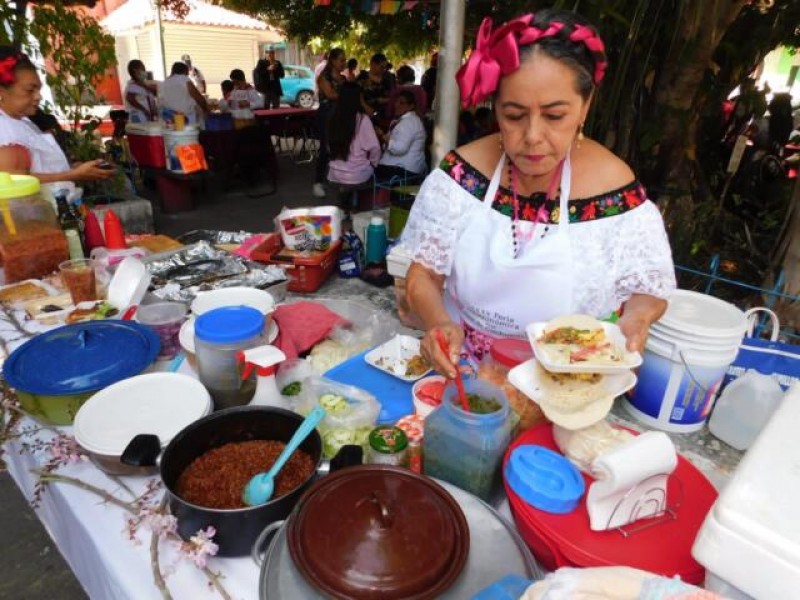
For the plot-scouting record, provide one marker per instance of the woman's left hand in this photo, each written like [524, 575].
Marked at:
[635, 329]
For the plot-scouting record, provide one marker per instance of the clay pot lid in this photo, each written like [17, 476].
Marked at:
[378, 532]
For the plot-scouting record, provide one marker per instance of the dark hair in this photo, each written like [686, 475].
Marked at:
[227, 86]
[133, 65]
[781, 121]
[333, 54]
[408, 96]
[23, 63]
[352, 64]
[236, 75]
[342, 120]
[378, 58]
[179, 68]
[482, 113]
[406, 74]
[576, 55]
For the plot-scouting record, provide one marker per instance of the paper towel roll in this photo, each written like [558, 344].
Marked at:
[614, 498]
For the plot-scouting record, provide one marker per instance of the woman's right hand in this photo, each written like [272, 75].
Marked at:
[91, 171]
[445, 363]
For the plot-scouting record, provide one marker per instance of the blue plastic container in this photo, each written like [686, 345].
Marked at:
[466, 448]
[544, 479]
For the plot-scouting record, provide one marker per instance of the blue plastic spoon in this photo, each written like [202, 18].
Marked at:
[259, 489]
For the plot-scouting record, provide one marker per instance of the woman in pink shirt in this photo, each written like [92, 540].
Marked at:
[353, 144]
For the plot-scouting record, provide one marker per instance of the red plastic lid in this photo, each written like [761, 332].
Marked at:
[511, 352]
[570, 537]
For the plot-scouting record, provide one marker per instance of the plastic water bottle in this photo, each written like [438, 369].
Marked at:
[376, 238]
[744, 408]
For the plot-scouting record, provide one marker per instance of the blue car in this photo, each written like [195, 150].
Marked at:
[298, 86]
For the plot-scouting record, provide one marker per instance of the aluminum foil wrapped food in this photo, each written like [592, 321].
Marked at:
[180, 275]
[214, 237]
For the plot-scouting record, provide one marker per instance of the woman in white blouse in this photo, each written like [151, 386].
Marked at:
[404, 156]
[179, 94]
[537, 221]
[140, 101]
[24, 149]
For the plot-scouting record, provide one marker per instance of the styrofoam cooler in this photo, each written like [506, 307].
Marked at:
[686, 357]
[146, 143]
[750, 540]
[174, 139]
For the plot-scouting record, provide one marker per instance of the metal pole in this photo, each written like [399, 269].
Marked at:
[451, 48]
[161, 39]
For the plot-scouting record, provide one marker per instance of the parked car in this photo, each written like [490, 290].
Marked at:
[298, 86]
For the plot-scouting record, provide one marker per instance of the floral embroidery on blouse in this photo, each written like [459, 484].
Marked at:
[537, 208]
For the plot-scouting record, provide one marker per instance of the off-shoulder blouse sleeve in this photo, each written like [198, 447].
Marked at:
[437, 219]
[641, 258]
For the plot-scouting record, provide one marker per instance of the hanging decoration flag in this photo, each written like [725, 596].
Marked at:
[322, 2]
[410, 4]
[387, 7]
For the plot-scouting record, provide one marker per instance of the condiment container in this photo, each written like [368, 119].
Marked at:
[743, 409]
[32, 244]
[221, 335]
[387, 446]
[506, 354]
[414, 428]
[466, 448]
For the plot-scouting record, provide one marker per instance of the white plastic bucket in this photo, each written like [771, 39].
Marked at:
[686, 357]
[173, 139]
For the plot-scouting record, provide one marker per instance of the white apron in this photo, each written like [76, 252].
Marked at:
[494, 295]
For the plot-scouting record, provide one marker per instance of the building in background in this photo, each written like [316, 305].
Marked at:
[217, 39]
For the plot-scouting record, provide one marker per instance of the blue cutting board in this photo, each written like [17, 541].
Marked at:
[393, 394]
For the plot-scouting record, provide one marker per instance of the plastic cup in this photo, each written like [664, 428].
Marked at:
[166, 319]
[78, 275]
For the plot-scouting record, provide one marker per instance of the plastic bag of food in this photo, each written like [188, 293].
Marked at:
[291, 375]
[351, 412]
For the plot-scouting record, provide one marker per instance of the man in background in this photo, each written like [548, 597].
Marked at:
[267, 78]
[429, 80]
[195, 75]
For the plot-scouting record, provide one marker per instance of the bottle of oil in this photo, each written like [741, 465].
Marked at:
[71, 226]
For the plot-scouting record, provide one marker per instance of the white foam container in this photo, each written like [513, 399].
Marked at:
[750, 540]
[686, 357]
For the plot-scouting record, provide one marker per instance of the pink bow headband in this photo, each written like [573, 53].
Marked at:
[496, 54]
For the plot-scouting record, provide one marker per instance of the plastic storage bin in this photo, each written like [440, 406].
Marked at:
[221, 335]
[466, 448]
[308, 271]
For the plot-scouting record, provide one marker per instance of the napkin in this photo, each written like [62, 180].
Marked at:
[631, 481]
[303, 325]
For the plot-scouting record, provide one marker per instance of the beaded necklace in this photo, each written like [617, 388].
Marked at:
[512, 184]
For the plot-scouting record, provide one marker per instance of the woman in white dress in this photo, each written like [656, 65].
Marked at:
[491, 248]
[24, 148]
[140, 101]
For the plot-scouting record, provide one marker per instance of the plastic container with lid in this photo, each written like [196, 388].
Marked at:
[466, 448]
[414, 428]
[221, 335]
[32, 244]
[505, 354]
[387, 446]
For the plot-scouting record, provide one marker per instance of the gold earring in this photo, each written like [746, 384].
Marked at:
[580, 135]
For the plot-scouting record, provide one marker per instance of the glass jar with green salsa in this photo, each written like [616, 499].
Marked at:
[466, 448]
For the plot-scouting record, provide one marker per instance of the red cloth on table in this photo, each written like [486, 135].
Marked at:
[303, 325]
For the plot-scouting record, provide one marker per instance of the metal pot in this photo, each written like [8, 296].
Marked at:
[496, 550]
[236, 529]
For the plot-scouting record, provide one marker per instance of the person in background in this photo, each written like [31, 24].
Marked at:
[24, 148]
[350, 72]
[140, 101]
[389, 75]
[267, 79]
[466, 128]
[243, 100]
[320, 66]
[429, 80]
[538, 221]
[329, 81]
[405, 81]
[179, 94]
[227, 88]
[404, 156]
[376, 88]
[195, 74]
[354, 147]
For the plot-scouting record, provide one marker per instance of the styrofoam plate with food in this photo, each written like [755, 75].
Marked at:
[581, 344]
[399, 357]
[571, 400]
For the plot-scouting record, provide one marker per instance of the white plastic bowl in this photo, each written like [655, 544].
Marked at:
[234, 296]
